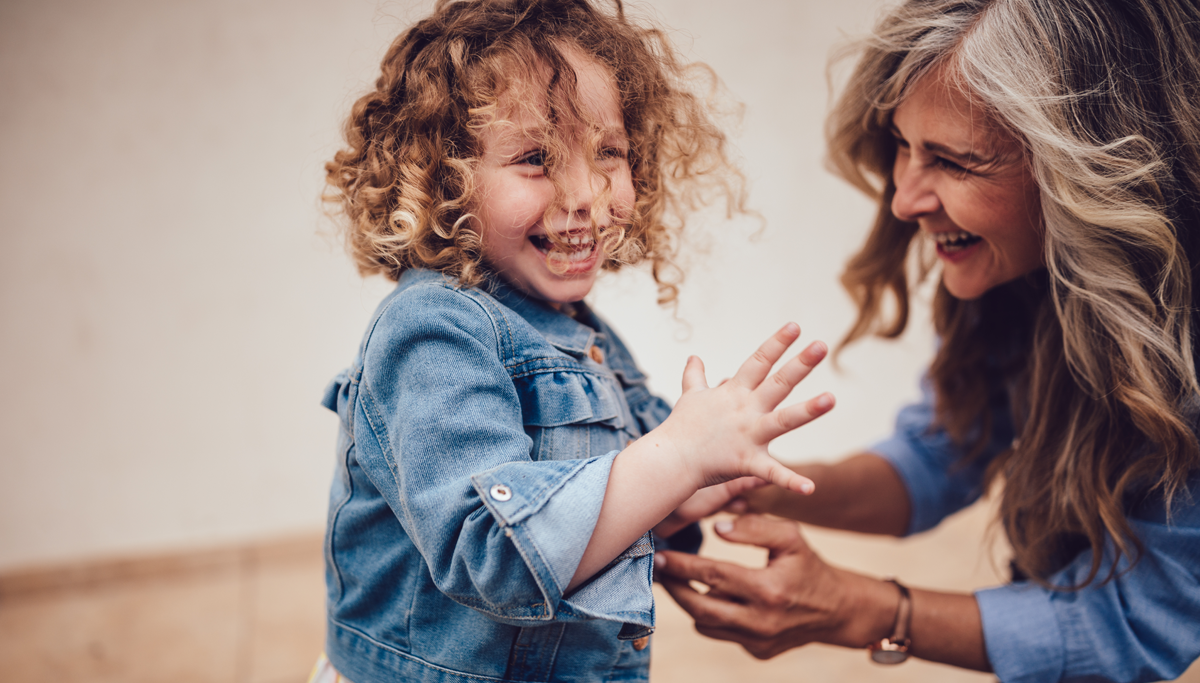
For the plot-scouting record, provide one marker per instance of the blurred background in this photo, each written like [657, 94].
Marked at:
[174, 301]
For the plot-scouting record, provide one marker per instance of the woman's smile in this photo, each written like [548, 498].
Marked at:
[965, 182]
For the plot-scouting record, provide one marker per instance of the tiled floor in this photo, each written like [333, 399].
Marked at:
[255, 615]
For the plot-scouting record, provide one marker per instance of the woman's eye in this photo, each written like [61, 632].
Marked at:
[948, 165]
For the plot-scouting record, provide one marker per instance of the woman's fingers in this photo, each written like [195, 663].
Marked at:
[758, 366]
[712, 615]
[778, 536]
[780, 422]
[729, 579]
[777, 388]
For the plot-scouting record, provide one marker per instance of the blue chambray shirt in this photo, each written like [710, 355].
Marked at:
[1142, 626]
[477, 434]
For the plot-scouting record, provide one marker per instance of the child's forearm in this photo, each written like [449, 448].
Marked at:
[648, 480]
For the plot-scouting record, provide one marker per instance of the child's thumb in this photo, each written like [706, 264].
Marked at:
[693, 375]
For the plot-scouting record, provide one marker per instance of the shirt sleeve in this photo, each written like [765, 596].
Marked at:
[1144, 625]
[939, 479]
[500, 532]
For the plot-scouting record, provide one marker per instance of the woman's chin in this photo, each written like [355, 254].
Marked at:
[965, 288]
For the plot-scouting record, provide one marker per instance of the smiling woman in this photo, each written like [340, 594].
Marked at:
[1050, 151]
[966, 182]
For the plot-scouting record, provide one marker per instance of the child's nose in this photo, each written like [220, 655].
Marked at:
[582, 186]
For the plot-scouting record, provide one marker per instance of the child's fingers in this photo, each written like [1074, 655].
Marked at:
[755, 369]
[770, 469]
[792, 373]
[736, 487]
[693, 375]
[784, 420]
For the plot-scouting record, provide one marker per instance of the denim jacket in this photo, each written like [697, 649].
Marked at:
[477, 434]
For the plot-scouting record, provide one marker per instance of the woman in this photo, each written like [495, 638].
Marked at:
[1048, 151]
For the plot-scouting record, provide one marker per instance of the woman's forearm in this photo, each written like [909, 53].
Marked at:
[943, 627]
[947, 628]
[862, 493]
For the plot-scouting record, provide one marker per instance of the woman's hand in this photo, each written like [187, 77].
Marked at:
[796, 599]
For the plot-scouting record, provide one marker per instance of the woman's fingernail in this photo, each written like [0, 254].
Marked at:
[659, 561]
[724, 526]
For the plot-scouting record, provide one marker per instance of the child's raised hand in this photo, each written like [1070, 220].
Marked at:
[721, 433]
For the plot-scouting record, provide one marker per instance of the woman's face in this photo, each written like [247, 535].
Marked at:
[965, 182]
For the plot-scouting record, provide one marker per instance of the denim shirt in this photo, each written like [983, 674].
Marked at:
[477, 434]
[1144, 625]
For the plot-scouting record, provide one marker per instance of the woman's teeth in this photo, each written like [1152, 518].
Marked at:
[951, 242]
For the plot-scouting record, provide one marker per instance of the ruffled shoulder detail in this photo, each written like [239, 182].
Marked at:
[552, 399]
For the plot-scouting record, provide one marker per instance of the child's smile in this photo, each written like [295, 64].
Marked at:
[519, 206]
[577, 254]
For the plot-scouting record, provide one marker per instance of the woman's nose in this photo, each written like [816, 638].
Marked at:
[915, 195]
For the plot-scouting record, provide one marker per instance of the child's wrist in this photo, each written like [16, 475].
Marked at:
[679, 457]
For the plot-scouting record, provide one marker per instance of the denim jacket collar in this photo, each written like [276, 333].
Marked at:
[563, 332]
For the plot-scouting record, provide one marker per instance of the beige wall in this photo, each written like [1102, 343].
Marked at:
[172, 304]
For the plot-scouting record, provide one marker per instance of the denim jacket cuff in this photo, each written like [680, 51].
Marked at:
[549, 510]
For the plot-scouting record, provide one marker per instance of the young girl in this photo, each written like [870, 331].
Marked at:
[500, 460]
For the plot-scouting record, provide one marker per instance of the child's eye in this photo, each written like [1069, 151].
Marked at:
[613, 153]
[534, 158]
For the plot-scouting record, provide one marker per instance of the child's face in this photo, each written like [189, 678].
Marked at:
[514, 192]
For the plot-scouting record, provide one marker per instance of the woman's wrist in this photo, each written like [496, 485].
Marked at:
[869, 611]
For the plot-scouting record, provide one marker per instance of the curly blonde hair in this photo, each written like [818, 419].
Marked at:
[405, 180]
[1099, 346]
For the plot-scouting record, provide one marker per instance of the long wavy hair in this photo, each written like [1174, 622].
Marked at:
[1095, 352]
[405, 183]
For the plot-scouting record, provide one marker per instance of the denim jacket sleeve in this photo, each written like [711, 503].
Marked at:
[499, 531]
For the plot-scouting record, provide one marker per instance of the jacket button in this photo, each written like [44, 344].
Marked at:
[500, 492]
[596, 354]
[641, 643]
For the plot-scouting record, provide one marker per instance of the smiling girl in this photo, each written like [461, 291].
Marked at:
[500, 460]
